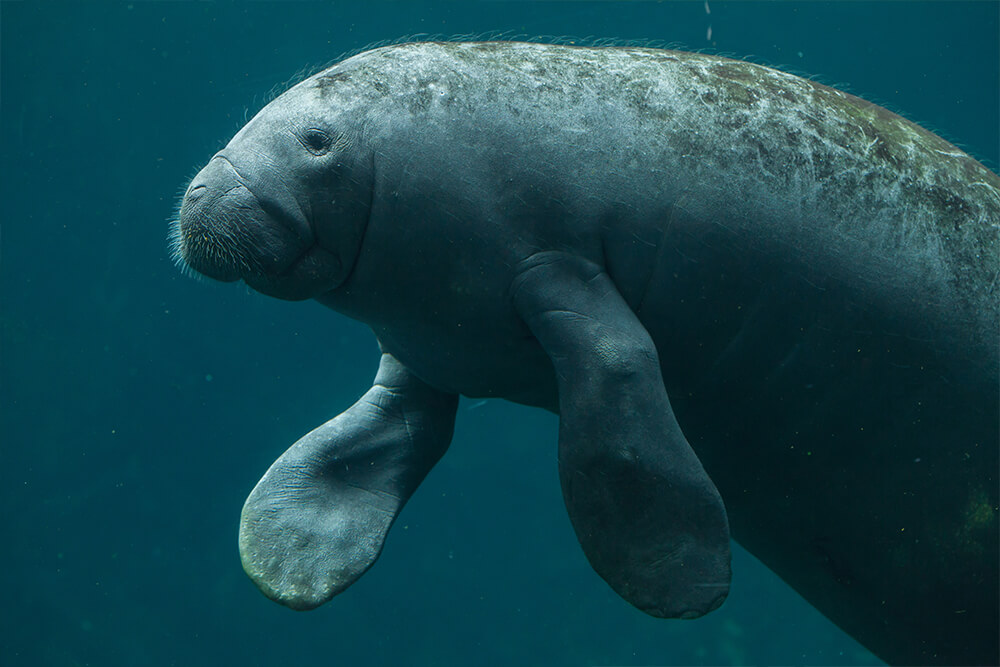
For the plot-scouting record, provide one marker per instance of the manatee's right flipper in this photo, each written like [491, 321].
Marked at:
[318, 518]
[645, 511]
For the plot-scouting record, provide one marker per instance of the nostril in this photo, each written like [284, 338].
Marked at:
[196, 191]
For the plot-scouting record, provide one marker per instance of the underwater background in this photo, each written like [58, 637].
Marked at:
[139, 406]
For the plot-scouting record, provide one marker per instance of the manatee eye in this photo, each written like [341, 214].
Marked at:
[316, 141]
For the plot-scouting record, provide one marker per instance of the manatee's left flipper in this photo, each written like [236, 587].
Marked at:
[318, 518]
[649, 519]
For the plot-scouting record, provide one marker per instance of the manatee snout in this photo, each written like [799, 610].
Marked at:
[208, 237]
[231, 227]
[213, 233]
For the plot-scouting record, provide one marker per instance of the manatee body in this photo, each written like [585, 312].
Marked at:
[731, 283]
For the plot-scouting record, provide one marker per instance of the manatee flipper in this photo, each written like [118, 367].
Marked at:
[648, 517]
[318, 518]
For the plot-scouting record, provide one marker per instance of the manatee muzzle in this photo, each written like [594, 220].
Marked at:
[233, 225]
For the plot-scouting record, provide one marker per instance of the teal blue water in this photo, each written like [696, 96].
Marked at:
[139, 407]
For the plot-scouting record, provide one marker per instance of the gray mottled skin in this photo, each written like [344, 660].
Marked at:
[811, 279]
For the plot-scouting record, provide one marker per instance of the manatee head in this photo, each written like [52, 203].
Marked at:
[283, 206]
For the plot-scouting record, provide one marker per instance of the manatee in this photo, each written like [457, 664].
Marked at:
[732, 284]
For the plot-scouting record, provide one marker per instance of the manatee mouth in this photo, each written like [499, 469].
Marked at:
[227, 229]
[207, 238]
